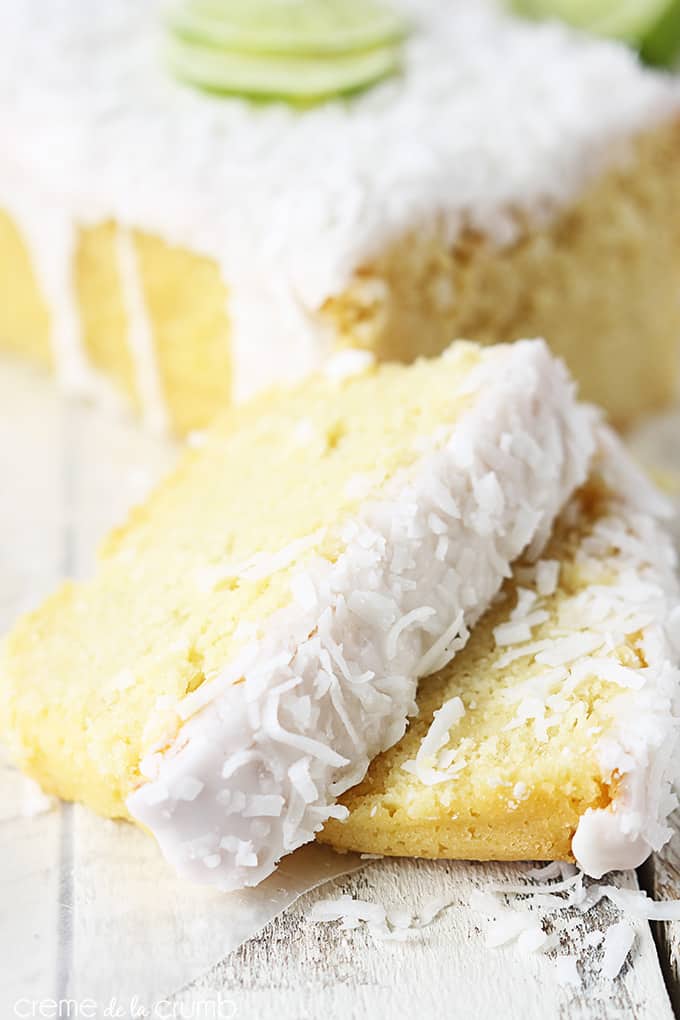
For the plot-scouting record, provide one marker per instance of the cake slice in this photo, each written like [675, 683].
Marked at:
[514, 180]
[254, 634]
[553, 734]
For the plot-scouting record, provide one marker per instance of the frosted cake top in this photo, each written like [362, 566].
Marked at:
[491, 116]
[490, 113]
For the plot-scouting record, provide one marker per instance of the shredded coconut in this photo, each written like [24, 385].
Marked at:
[618, 942]
[259, 566]
[428, 765]
[555, 903]
[383, 923]
[442, 651]
[547, 576]
[567, 971]
[348, 363]
[538, 904]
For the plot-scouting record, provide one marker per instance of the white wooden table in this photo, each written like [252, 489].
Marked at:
[88, 911]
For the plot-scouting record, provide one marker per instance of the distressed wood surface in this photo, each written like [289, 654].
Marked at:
[87, 907]
[308, 970]
[32, 526]
[661, 877]
[658, 445]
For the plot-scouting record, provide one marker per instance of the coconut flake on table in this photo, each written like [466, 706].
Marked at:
[555, 902]
[396, 923]
[567, 971]
[537, 902]
[618, 942]
[34, 801]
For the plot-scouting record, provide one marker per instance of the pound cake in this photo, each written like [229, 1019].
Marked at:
[515, 179]
[553, 734]
[254, 633]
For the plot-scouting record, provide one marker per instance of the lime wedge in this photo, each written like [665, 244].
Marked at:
[291, 27]
[298, 50]
[295, 79]
[661, 45]
[628, 20]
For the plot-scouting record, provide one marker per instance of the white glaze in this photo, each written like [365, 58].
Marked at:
[139, 334]
[50, 232]
[51, 238]
[52, 242]
[601, 844]
[331, 682]
[490, 115]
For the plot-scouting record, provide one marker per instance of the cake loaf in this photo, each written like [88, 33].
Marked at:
[515, 180]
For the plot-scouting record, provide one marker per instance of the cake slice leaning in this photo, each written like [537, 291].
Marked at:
[254, 634]
[553, 733]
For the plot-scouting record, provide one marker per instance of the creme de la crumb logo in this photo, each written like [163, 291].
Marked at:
[118, 1009]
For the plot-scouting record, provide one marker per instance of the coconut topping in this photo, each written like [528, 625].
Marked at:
[429, 766]
[331, 681]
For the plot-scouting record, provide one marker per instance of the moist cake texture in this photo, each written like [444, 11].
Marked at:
[254, 634]
[192, 250]
[553, 734]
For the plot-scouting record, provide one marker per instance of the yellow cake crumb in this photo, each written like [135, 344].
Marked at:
[520, 765]
[169, 605]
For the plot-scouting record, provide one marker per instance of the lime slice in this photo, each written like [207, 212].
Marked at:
[296, 79]
[661, 45]
[291, 27]
[628, 20]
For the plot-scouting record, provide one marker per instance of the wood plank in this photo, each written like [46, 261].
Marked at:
[32, 525]
[661, 877]
[296, 968]
[32, 522]
[120, 892]
[89, 907]
[56, 504]
[139, 932]
[104, 867]
[29, 894]
[657, 444]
